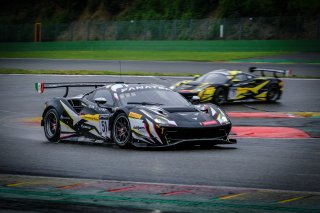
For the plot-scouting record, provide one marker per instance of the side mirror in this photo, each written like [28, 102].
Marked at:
[195, 99]
[100, 101]
[195, 77]
[235, 81]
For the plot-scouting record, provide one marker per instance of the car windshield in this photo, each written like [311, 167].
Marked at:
[213, 78]
[153, 97]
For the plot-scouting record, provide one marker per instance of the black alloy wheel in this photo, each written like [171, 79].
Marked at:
[273, 94]
[220, 96]
[52, 125]
[122, 131]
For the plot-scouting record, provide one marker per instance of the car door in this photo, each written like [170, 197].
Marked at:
[240, 88]
[96, 114]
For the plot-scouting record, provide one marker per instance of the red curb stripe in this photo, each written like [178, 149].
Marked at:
[122, 189]
[261, 115]
[174, 193]
[70, 186]
[268, 132]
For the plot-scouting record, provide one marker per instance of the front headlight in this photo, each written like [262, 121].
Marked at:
[197, 90]
[223, 117]
[161, 121]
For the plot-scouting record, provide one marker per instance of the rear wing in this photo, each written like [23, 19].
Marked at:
[40, 87]
[274, 71]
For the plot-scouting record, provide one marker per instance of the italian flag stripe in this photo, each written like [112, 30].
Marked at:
[39, 87]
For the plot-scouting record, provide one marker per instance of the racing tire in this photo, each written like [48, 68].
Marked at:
[51, 125]
[220, 96]
[121, 131]
[273, 94]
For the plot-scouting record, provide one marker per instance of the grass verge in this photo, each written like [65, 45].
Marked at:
[139, 55]
[107, 72]
[89, 72]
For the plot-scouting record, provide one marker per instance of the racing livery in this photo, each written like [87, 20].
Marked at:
[221, 86]
[132, 114]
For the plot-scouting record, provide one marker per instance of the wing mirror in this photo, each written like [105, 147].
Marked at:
[195, 77]
[195, 99]
[235, 81]
[100, 101]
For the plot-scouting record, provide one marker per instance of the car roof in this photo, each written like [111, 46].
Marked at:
[128, 87]
[226, 72]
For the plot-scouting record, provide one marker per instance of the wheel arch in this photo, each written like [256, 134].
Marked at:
[111, 121]
[53, 104]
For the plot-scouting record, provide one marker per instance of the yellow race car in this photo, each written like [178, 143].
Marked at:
[222, 86]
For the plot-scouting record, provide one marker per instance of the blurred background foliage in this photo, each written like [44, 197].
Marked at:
[66, 11]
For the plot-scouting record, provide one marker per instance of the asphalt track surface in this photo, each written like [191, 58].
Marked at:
[279, 164]
[298, 69]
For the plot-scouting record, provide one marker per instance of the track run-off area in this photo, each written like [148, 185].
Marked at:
[273, 167]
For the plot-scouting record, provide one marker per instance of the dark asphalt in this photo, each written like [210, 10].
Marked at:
[290, 164]
[301, 69]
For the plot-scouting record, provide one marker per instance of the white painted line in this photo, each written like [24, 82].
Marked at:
[254, 138]
[122, 76]
[163, 184]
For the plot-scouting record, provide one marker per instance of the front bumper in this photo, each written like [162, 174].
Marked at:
[194, 135]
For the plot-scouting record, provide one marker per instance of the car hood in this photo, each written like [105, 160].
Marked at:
[189, 86]
[189, 116]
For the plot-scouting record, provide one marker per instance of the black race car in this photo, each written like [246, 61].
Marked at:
[221, 86]
[132, 114]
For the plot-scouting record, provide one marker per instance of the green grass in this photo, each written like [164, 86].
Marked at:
[105, 72]
[89, 72]
[138, 55]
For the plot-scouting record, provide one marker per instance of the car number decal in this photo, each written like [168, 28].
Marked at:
[103, 125]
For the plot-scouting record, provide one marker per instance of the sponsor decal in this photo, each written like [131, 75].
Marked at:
[135, 115]
[208, 123]
[104, 117]
[116, 86]
[85, 126]
[90, 117]
[138, 127]
[142, 87]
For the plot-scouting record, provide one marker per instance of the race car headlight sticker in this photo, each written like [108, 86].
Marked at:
[222, 118]
[161, 121]
[164, 122]
[197, 90]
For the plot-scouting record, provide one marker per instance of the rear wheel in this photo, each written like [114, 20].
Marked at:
[121, 131]
[52, 125]
[220, 96]
[273, 94]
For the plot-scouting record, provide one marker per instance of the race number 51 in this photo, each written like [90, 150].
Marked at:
[103, 121]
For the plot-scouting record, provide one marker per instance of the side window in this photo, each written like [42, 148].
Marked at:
[250, 77]
[90, 96]
[102, 93]
[241, 77]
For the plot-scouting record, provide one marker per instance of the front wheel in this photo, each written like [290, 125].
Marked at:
[273, 94]
[121, 131]
[220, 96]
[52, 125]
